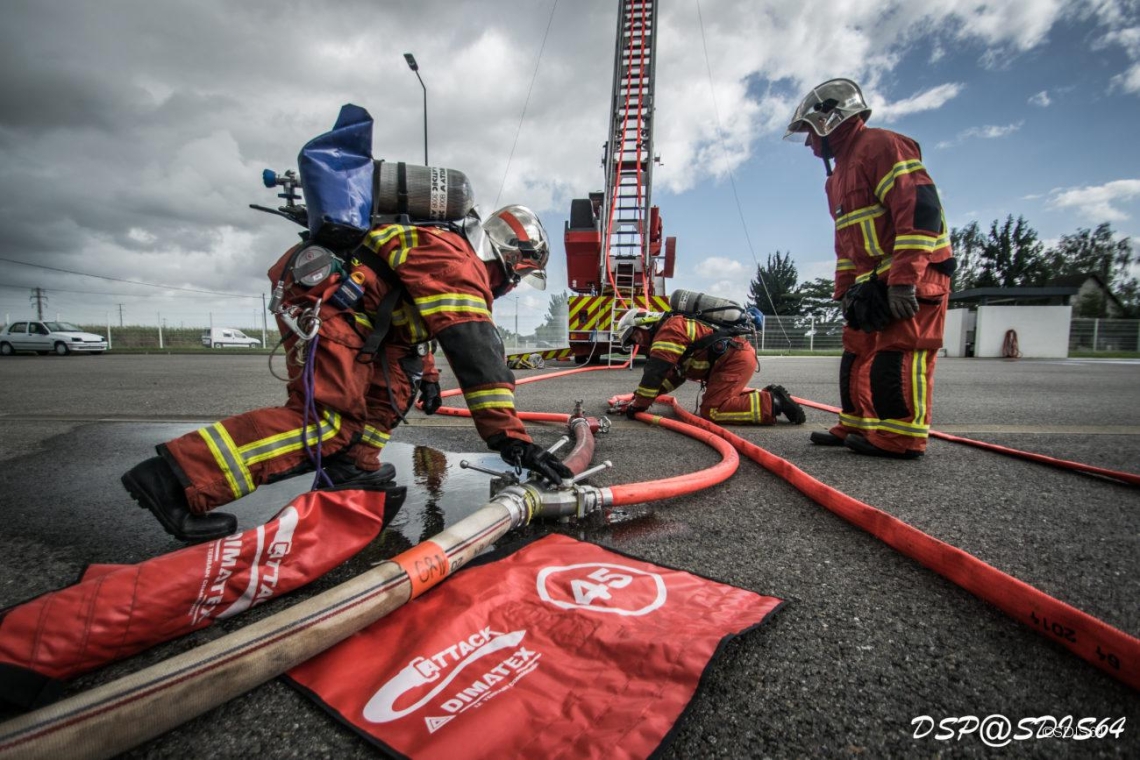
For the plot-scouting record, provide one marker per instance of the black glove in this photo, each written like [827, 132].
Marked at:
[536, 459]
[429, 397]
[631, 411]
[902, 300]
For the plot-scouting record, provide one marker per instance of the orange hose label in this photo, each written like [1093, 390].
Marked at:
[425, 564]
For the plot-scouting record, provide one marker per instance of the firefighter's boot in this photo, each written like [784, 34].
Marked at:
[825, 438]
[154, 486]
[782, 403]
[344, 473]
[861, 445]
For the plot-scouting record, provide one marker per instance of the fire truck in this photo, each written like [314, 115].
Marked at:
[616, 255]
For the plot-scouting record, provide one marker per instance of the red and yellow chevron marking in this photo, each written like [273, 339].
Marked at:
[602, 312]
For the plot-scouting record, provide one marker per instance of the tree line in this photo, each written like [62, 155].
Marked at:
[1009, 255]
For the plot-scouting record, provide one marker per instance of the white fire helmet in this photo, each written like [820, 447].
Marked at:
[826, 107]
[516, 239]
[633, 319]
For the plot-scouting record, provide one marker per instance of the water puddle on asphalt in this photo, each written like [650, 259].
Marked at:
[441, 493]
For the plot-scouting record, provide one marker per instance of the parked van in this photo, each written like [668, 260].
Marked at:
[220, 337]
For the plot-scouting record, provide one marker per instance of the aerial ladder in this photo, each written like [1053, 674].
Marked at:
[616, 257]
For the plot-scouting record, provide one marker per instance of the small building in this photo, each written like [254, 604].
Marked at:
[1093, 299]
[980, 319]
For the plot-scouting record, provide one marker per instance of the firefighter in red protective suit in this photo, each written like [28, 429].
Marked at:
[892, 273]
[359, 355]
[681, 348]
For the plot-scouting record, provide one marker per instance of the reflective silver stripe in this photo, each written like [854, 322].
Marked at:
[374, 437]
[228, 459]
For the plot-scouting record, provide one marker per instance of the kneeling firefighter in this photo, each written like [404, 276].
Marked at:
[684, 346]
[359, 302]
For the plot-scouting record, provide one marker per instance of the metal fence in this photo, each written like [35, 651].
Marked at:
[779, 334]
[799, 334]
[806, 334]
[1104, 335]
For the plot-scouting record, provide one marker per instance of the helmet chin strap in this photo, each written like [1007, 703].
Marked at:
[827, 154]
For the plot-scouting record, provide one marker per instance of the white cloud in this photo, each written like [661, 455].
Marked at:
[928, 100]
[1100, 203]
[718, 266]
[1041, 99]
[1127, 38]
[1129, 81]
[143, 126]
[988, 132]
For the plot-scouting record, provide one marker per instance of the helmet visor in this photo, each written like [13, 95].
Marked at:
[536, 279]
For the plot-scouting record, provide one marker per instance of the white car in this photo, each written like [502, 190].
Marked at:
[61, 338]
[220, 337]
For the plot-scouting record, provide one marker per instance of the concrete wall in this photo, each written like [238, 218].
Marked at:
[959, 323]
[1042, 331]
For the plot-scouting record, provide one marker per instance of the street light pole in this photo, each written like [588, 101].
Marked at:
[411, 59]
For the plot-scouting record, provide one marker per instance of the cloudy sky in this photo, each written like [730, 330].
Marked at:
[133, 132]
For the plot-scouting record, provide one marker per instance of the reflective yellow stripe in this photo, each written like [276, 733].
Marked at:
[409, 239]
[667, 348]
[452, 302]
[916, 243]
[858, 216]
[864, 217]
[228, 459]
[880, 268]
[886, 426]
[410, 320]
[888, 182]
[871, 239]
[919, 388]
[754, 415]
[496, 398]
[844, 265]
[291, 440]
[645, 392]
[374, 437]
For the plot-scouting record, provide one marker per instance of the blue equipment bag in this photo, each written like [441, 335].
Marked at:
[336, 177]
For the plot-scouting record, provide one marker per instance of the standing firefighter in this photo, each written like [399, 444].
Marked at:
[359, 303]
[892, 273]
[682, 348]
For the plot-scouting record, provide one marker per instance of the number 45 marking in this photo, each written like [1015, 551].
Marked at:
[585, 591]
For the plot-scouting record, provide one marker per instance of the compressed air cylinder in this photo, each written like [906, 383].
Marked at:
[433, 193]
[711, 307]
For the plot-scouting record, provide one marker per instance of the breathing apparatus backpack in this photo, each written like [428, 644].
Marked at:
[719, 313]
[727, 318]
[347, 191]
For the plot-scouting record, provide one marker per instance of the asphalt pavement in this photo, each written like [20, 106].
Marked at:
[867, 641]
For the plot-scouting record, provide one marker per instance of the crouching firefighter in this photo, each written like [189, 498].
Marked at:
[358, 303]
[683, 347]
